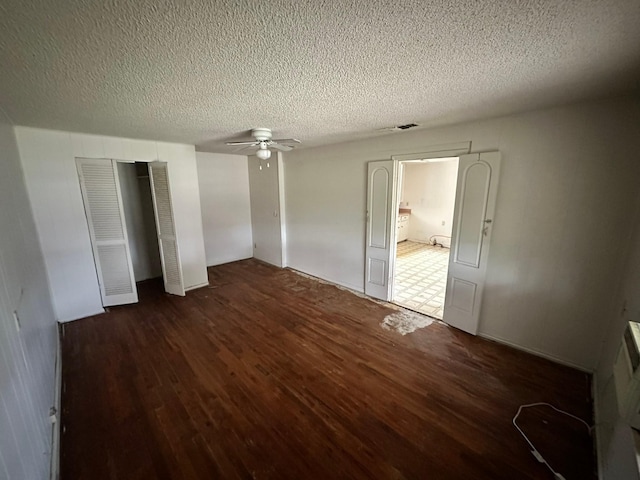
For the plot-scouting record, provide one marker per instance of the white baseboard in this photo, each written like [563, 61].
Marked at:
[225, 260]
[88, 314]
[537, 353]
[193, 287]
[55, 428]
[328, 280]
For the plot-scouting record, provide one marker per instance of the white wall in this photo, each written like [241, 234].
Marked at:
[137, 203]
[569, 177]
[27, 355]
[615, 442]
[226, 208]
[266, 205]
[430, 192]
[48, 159]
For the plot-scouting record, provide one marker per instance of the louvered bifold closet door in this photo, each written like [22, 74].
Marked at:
[169, 253]
[107, 229]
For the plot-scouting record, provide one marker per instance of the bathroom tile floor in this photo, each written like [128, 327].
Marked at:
[421, 277]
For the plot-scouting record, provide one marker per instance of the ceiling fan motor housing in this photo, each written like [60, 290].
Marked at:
[261, 134]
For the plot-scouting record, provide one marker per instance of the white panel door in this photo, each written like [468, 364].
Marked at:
[379, 241]
[107, 229]
[472, 226]
[165, 225]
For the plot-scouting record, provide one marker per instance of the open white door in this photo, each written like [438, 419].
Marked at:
[107, 229]
[380, 220]
[472, 225]
[165, 225]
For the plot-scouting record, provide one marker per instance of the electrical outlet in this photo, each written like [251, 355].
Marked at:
[443, 223]
[16, 319]
[255, 245]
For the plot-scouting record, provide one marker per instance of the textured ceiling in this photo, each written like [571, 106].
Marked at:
[204, 72]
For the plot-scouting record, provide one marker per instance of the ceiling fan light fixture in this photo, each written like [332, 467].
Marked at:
[263, 153]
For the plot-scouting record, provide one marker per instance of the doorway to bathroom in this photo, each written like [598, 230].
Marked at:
[471, 228]
[427, 194]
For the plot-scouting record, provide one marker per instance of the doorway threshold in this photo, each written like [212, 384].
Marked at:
[430, 315]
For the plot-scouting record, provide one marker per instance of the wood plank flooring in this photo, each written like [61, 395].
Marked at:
[267, 374]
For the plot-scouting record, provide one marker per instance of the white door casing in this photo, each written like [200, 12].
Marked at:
[380, 229]
[165, 226]
[476, 192]
[107, 229]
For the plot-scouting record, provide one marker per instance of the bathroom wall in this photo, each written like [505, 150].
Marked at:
[430, 193]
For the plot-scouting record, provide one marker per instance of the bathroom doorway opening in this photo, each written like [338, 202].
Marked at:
[426, 203]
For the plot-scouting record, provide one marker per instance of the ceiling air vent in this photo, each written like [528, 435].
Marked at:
[398, 128]
[405, 127]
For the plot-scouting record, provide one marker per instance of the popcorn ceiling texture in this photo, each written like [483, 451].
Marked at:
[205, 72]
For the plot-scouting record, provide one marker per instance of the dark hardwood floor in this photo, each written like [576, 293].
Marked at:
[268, 374]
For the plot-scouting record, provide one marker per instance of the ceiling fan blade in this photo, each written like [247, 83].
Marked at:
[243, 147]
[283, 148]
[286, 140]
[242, 143]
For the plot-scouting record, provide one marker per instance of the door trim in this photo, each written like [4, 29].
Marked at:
[435, 151]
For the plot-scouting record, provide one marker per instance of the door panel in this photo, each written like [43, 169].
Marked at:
[376, 272]
[107, 229]
[472, 226]
[165, 225]
[473, 210]
[463, 294]
[379, 240]
[381, 184]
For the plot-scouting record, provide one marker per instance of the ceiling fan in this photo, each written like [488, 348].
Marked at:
[264, 141]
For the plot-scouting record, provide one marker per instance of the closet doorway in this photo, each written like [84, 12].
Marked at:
[131, 226]
[137, 203]
[426, 203]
